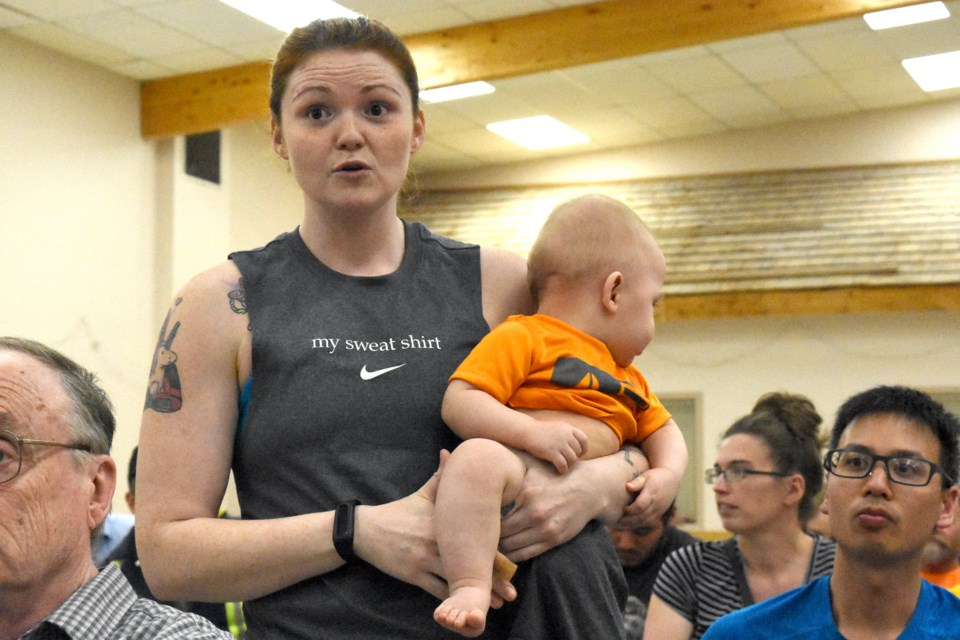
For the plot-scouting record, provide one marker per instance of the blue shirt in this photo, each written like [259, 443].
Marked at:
[805, 614]
[115, 529]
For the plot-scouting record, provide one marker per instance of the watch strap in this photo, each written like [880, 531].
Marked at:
[343, 521]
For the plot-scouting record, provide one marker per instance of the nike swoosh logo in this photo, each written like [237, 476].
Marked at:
[370, 375]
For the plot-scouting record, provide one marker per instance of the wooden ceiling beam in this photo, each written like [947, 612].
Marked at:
[942, 297]
[509, 47]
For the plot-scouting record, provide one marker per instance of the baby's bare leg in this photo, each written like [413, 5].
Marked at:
[479, 477]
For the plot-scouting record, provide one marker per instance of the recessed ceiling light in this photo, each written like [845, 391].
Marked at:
[286, 15]
[904, 16]
[936, 72]
[537, 132]
[456, 92]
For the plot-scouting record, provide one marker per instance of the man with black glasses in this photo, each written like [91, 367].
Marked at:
[56, 483]
[892, 466]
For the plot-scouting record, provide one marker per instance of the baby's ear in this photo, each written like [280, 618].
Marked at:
[611, 291]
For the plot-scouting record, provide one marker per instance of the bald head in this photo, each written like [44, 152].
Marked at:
[586, 238]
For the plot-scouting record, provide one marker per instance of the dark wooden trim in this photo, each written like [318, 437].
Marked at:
[938, 297]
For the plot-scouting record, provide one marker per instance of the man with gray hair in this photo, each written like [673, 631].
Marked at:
[56, 485]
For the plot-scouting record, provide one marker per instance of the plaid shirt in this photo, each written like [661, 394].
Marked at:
[106, 608]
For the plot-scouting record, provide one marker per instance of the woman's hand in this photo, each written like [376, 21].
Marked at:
[551, 509]
[399, 539]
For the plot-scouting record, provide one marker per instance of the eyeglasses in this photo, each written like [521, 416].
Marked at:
[11, 446]
[913, 472]
[735, 473]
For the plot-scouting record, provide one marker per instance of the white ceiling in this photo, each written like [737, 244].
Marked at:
[836, 68]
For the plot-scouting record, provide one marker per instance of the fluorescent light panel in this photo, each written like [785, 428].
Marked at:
[904, 16]
[286, 15]
[537, 132]
[456, 92]
[936, 72]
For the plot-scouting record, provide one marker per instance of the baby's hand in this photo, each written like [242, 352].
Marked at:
[558, 443]
[658, 489]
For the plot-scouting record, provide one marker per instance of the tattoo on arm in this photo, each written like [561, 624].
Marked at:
[164, 394]
[238, 300]
[628, 455]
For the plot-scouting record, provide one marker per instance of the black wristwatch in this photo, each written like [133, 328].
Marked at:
[343, 530]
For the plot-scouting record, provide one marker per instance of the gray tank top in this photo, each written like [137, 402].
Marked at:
[343, 403]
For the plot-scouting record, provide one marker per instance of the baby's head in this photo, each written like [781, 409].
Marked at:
[597, 248]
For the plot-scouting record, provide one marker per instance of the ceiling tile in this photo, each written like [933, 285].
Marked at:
[827, 110]
[736, 102]
[492, 107]
[612, 127]
[72, 44]
[877, 81]
[411, 16]
[210, 21]
[750, 42]
[487, 10]
[254, 50]
[827, 29]
[922, 40]
[434, 155]
[196, 61]
[552, 91]
[797, 93]
[773, 62]
[480, 142]
[693, 129]
[142, 70]
[696, 74]
[846, 50]
[670, 112]
[605, 81]
[134, 33]
[56, 9]
[442, 120]
[10, 18]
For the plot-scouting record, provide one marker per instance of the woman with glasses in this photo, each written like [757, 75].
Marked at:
[767, 475]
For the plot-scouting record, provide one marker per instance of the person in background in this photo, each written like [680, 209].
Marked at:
[115, 529]
[892, 464]
[56, 485]
[940, 564]
[642, 550]
[765, 481]
[315, 366]
[227, 616]
[596, 274]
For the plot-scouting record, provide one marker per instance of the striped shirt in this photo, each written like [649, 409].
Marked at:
[106, 608]
[705, 580]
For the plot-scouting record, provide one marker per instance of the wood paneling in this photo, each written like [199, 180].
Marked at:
[208, 101]
[816, 241]
[509, 47]
[810, 302]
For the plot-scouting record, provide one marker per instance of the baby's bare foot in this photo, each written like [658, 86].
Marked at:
[465, 611]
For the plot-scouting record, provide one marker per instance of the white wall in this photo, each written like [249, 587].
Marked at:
[76, 221]
[731, 363]
[264, 198]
